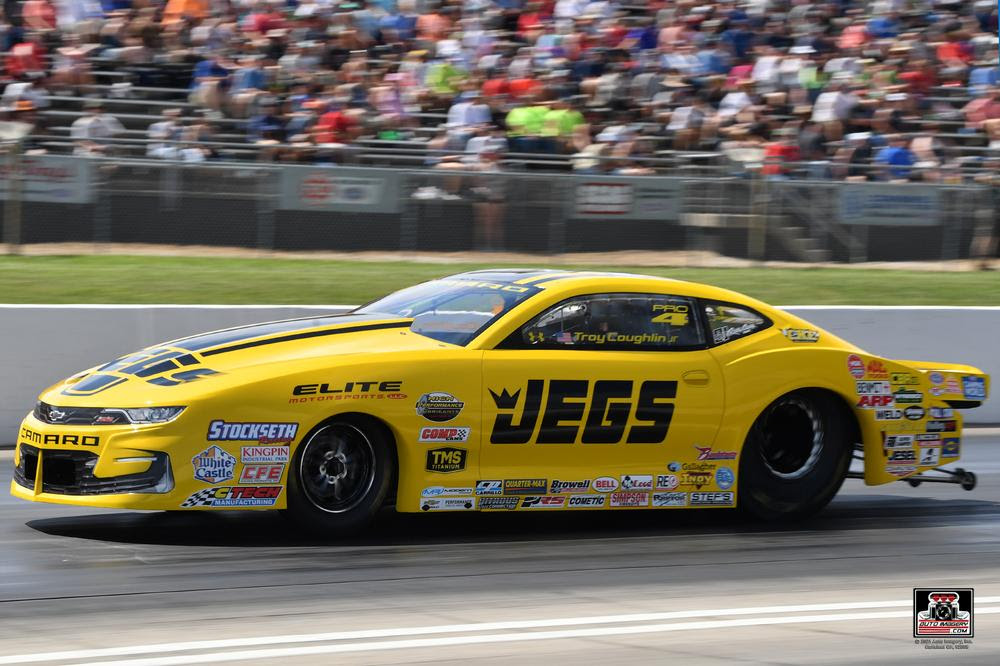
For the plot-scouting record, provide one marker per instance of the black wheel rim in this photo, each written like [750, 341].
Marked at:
[337, 468]
[791, 438]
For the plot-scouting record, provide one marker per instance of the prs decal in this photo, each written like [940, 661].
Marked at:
[607, 408]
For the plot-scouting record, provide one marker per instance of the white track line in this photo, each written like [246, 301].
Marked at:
[501, 638]
[450, 629]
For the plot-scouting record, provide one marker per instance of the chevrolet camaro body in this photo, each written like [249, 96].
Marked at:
[495, 390]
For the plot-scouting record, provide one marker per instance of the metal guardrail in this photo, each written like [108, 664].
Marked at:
[734, 210]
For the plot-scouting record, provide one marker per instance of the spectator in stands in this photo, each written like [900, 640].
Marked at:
[209, 82]
[164, 135]
[779, 153]
[897, 157]
[489, 194]
[984, 107]
[90, 133]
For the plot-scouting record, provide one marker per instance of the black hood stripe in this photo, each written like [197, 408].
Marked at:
[304, 335]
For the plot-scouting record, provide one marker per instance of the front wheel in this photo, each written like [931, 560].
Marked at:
[341, 475]
[796, 456]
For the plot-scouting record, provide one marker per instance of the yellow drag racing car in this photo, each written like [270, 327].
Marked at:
[501, 390]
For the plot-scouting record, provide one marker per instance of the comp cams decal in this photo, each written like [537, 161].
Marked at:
[442, 434]
[601, 409]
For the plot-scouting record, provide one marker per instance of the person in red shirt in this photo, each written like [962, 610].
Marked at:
[779, 153]
[334, 127]
[524, 87]
[983, 108]
[530, 24]
[27, 56]
[497, 85]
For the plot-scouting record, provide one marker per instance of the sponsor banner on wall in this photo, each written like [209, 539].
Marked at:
[639, 198]
[339, 189]
[51, 179]
[882, 204]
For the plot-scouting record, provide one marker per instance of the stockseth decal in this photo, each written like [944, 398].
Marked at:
[607, 411]
[587, 501]
[448, 504]
[265, 433]
[214, 465]
[669, 499]
[264, 454]
[446, 460]
[231, 496]
[439, 434]
[439, 406]
[711, 499]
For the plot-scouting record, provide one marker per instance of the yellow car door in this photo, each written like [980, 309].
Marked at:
[600, 385]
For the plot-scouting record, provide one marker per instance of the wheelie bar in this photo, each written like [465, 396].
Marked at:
[958, 475]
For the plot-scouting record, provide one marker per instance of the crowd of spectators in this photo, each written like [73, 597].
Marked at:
[854, 89]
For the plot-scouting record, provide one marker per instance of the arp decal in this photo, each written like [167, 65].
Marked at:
[445, 460]
[607, 409]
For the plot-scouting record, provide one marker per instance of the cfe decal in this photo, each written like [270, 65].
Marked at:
[603, 409]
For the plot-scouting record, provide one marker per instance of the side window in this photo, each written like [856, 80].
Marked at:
[617, 322]
[729, 322]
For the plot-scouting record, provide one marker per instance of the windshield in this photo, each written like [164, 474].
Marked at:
[453, 310]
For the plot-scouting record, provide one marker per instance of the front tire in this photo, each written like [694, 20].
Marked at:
[796, 456]
[340, 477]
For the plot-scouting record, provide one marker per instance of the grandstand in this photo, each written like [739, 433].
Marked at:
[880, 90]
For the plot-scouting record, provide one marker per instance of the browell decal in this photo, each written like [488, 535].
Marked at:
[265, 433]
[557, 486]
[603, 412]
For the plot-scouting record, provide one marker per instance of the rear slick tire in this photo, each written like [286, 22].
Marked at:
[340, 477]
[796, 456]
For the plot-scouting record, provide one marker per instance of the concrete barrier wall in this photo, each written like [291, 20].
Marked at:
[41, 344]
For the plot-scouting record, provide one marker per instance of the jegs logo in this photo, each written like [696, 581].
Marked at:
[570, 400]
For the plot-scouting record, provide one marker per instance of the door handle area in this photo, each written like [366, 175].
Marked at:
[696, 377]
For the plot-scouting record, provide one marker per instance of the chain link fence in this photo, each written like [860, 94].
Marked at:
[289, 207]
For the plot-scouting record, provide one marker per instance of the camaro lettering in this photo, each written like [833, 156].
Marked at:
[33, 437]
[604, 414]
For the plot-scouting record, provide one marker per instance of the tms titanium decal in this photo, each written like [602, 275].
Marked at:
[265, 433]
[607, 412]
[157, 366]
[376, 390]
[445, 460]
[59, 440]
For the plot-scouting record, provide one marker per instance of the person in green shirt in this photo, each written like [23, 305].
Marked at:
[444, 78]
[558, 125]
[524, 126]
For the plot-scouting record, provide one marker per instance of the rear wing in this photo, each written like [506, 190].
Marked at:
[961, 386]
